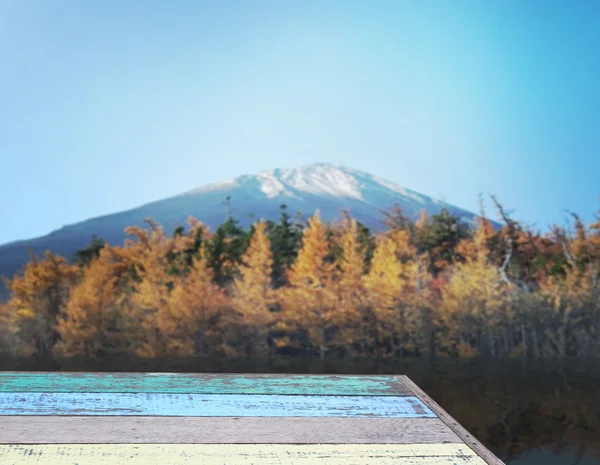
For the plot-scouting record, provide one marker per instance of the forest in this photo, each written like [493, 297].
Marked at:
[432, 287]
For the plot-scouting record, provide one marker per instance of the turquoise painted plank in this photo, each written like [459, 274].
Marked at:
[207, 383]
[210, 405]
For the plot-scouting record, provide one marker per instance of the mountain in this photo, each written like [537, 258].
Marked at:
[324, 186]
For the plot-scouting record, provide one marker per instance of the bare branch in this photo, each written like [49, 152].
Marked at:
[509, 251]
[560, 237]
[395, 219]
[579, 226]
[482, 207]
[510, 223]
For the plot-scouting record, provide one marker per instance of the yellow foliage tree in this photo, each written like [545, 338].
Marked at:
[94, 322]
[308, 301]
[198, 319]
[6, 329]
[252, 290]
[574, 301]
[475, 301]
[150, 252]
[391, 285]
[37, 299]
[470, 248]
[349, 311]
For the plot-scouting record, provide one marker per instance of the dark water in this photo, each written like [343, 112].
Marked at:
[526, 413]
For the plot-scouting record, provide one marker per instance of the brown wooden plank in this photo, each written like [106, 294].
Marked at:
[456, 427]
[231, 430]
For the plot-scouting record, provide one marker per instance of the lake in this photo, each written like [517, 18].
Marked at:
[544, 412]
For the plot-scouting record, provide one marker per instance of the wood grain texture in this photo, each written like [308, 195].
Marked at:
[202, 383]
[215, 430]
[456, 427]
[256, 454]
[210, 405]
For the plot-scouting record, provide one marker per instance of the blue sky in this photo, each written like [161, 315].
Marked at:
[108, 105]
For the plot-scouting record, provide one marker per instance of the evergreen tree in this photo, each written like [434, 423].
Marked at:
[225, 249]
[85, 256]
[440, 237]
[367, 242]
[286, 238]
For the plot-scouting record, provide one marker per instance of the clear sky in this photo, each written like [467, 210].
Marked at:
[107, 105]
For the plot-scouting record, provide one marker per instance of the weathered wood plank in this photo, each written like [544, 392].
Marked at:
[207, 430]
[257, 454]
[206, 383]
[460, 431]
[210, 405]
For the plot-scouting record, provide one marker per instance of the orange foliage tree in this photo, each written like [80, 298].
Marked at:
[198, 319]
[150, 252]
[38, 298]
[96, 321]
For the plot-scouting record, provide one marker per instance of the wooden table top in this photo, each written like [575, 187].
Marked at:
[71, 418]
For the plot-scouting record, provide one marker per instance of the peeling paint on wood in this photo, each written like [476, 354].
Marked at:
[256, 454]
[203, 383]
[222, 430]
[210, 405]
[173, 418]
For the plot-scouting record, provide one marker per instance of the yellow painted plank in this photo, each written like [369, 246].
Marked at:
[256, 454]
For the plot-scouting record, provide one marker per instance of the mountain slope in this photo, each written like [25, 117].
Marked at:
[326, 187]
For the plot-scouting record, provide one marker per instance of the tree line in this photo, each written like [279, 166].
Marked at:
[432, 287]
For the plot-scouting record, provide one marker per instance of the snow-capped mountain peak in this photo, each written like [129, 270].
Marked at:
[308, 186]
[317, 179]
[321, 179]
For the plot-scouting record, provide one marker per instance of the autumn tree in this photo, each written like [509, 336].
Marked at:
[384, 284]
[594, 239]
[573, 301]
[252, 291]
[7, 331]
[308, 300]
[161, 265]
[475, 303]
[38, 298]
[349, 312]
[95, 320]
[198, 319]
[395, 219]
